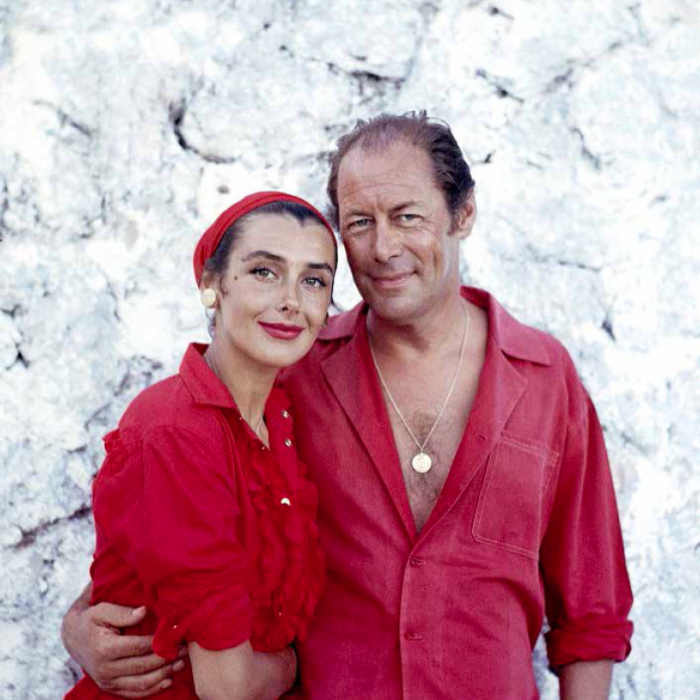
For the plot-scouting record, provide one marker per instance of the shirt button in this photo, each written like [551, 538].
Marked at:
[285, 414]
[285, 502]
[288, 442]
[412, 636]
[416, 561]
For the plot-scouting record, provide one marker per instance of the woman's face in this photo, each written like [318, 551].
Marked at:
[273, 298]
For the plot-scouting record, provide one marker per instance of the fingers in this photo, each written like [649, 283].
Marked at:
[145, 685]
[130, 645]
[145, 693]
[138, 665]
[117, 615]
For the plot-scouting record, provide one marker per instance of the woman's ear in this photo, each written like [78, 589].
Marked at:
[207, 296]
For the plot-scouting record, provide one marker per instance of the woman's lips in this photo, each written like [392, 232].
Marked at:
[281, 331]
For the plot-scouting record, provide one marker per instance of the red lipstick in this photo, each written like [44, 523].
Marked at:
[281, 331]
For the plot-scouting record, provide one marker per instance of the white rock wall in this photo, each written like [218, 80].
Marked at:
[127, 125]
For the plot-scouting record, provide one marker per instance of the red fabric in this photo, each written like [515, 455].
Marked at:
[190, 522]
[211, 238]
[526, 518]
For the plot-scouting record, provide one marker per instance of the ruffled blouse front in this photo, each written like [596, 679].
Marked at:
[198, 520]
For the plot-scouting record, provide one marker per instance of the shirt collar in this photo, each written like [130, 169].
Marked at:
[514, 338]
[206, 388]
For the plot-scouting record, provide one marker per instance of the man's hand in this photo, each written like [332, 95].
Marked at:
[124, 665]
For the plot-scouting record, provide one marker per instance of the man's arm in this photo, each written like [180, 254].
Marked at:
[585, 680]
[124, 665]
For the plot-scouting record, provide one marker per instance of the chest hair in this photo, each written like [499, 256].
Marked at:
[420, 405]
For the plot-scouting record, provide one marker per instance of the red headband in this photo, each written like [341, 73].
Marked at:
[212, 236]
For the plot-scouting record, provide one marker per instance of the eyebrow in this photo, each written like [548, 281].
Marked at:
[262, 254]
[279, 259]
[320, 266]
[406, 205]
[398, 207]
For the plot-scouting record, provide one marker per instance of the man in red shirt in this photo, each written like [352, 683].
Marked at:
[463, 482]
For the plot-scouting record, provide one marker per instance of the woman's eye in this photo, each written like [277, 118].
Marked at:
[262, 272]
[315, 282]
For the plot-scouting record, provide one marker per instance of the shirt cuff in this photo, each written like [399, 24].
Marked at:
[610, 640]
[217, 623]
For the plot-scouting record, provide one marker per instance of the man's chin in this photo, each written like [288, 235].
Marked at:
[392, 308]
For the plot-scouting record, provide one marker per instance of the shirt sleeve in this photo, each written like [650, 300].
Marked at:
[167, 503]
[587, 589]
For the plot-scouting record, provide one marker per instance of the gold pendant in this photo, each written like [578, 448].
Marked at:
[421, 463]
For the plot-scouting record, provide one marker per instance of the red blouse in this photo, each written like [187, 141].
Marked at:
[200, 522]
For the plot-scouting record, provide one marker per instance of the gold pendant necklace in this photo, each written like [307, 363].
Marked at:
[421, 461]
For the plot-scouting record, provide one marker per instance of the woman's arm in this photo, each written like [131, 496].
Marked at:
[241, 673]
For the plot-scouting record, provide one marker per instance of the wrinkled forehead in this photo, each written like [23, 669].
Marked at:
[384, 177]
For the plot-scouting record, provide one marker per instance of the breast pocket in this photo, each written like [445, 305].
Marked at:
[509, 511]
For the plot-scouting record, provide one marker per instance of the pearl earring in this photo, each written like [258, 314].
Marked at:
[208, 297]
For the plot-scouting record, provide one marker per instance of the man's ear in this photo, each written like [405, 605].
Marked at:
[466, 217]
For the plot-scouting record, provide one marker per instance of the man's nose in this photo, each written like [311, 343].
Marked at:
[387, 241]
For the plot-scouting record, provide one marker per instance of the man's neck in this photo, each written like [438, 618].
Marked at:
[422, 337]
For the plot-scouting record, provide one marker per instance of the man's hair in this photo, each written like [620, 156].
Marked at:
[434, 136]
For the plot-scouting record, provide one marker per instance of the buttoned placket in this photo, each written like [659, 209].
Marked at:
[412, 632]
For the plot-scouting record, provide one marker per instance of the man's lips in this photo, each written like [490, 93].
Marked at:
[390, 281]
[281, 331]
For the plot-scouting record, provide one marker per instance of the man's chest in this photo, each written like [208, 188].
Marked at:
[427, 432]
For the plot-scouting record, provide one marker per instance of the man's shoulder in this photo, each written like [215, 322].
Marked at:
[343, 325]
[340, 329]
[520, 340]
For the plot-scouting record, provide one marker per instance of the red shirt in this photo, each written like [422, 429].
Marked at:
[526, 521]
[198, 520]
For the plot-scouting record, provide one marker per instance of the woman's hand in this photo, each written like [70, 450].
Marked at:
[124, 665]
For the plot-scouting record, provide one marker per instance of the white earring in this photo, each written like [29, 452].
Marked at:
[208, 297]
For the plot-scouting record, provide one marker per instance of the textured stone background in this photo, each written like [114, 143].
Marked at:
[126, 125]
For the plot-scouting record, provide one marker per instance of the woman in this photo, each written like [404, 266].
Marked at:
[202, 511]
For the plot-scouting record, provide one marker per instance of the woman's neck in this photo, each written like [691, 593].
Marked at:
[248, 382]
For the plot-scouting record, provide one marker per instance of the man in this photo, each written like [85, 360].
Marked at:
[462, 476]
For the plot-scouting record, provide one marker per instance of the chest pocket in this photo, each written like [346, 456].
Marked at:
[509, 512]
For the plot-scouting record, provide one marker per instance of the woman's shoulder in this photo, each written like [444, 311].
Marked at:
[166, 404]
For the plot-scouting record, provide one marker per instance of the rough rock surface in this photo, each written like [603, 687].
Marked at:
[125, 126]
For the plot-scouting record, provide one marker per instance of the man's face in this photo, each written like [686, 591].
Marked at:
[397, 231]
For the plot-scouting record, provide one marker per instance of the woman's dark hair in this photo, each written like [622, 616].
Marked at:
[218, 263]
[435, 137]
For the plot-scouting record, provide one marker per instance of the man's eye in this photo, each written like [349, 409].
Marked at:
[408, 217]
[315, 282]
[358, 223]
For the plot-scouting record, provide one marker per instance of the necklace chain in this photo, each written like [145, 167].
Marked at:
[425, 464]
[210, 362]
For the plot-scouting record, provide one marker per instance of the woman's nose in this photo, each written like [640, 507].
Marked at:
[290, 298]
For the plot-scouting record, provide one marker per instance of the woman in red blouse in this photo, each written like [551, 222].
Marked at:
[202, 511]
